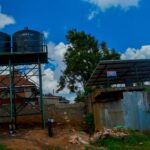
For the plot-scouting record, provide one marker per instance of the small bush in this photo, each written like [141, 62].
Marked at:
[135, 141]
[4, 147]
[89, 120]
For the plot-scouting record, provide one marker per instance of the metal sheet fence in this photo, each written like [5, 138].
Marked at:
[133, 111]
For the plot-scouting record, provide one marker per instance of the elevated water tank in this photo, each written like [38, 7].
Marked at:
[4, 43]
[26, 40]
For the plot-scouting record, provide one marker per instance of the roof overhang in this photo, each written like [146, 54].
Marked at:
[120, 72]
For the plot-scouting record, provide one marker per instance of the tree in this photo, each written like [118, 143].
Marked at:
[81, 58]
[108, 54]
[81, 95]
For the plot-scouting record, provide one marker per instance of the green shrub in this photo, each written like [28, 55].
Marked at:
[4, 147]
[135, 141]
[89, 120]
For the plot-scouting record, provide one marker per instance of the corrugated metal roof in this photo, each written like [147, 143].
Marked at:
[19, 81]
[120, 72]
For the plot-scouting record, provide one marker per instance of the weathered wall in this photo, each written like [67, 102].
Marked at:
[108, 114]
[50, 100]
[66, 112]
[136, 106]
[133, 111]
[72, 113]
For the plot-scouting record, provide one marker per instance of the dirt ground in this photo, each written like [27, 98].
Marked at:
[35, 138]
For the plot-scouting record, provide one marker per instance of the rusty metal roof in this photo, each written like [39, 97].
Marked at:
[19, 81]
[120, 72]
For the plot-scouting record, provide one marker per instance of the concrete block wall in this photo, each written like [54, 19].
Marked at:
[67, 113]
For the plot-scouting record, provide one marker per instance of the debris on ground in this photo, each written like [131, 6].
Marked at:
[83, 138]
[37, 138]
[105, 133]
[79, 138]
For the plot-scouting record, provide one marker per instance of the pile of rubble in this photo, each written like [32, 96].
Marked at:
[83, 138]
[79, 138]
[106, 133]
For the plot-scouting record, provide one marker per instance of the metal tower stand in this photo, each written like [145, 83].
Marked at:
[11, 91]
[41, 96]
[27, 66]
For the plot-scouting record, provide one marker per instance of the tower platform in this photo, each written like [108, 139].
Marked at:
[23, 58]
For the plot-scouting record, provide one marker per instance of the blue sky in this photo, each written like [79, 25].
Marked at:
[119, 28]
[123, 24]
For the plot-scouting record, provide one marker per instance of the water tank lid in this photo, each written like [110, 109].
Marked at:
[26, 29]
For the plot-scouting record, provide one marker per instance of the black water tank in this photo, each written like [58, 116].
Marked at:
[25, 41]
[4, 43]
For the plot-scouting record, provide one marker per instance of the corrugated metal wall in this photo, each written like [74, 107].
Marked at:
[136, 107]
[133, 111]
[108, 114]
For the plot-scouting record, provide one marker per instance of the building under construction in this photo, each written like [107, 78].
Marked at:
[120, 94]
[20, 63]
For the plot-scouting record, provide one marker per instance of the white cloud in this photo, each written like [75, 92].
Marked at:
[92, 15]
[60, 50]
[71, 97]
[50, 78]
[49, 81]
[46, 34]
[105, 4]
[132, 53]
[5, 20]
[55, 52]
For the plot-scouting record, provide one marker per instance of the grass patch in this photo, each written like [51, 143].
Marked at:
[94, 148]
[51, 148]
[147, 89]
[135, 141]
[4, 147]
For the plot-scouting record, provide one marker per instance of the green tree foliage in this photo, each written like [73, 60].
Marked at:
[108, 54]
[81, 95]
[81, 58]
[89, 120]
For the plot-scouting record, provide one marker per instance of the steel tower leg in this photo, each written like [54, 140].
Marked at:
[10, 91]
[14, 96]
[41, 96]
